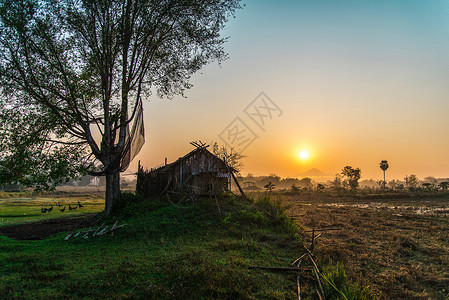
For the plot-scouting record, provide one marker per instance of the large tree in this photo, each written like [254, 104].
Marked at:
[73, 73]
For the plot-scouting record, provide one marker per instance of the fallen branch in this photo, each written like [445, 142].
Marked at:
[282, 268]
[316, 272]
[96, 232]
[298, 259]
[323, 229]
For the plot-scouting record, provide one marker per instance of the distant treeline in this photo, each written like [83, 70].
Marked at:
[87, 180]
[410, 183]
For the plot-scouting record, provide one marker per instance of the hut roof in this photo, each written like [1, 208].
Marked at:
[193, 154]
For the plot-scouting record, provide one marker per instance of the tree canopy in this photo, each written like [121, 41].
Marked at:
[73, 74]
[352, 176]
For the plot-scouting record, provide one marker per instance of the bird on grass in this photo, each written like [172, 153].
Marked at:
[50, 209]
[44, 210]
[79, 205]
[72, 208]
[62, 209]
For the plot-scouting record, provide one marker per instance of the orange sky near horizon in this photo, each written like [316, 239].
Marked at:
[357, 83]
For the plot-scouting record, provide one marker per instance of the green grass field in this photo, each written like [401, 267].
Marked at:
[166, 251]
[19, 208]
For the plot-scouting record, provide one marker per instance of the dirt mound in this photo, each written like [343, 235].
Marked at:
[45, 228]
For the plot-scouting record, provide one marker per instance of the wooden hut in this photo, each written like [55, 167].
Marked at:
[200, 172]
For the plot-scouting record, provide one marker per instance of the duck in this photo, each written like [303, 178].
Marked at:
[79, 205]
[62, 209]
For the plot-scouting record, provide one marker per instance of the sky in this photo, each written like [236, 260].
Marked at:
[350, 82]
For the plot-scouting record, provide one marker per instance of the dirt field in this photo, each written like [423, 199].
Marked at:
[398, 247]
[45, 228]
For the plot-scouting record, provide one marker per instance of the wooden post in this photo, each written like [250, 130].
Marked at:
[235, 179]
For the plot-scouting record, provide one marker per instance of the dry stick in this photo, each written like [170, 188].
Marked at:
[316, 271]
[114, 226]
[281, 268]
[95, 233]
[299, 258]
[68, 236]
[313, 239]
[308, 251]
[219, 210]
[319, 283]
[103, 231]
[319, 295]
[297, 279]
[320, 235]
[323, 229]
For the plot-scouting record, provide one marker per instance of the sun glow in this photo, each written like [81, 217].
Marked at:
[303, 155]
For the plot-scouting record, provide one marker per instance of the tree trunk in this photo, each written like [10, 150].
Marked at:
[112, 191]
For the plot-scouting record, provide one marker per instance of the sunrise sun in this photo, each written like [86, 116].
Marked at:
[303, 154]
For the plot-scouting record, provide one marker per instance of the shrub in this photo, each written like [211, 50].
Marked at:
[276, 213]
[126, 202]
[337, 285]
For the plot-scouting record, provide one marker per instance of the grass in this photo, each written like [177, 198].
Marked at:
[166, 251]
[25, 207]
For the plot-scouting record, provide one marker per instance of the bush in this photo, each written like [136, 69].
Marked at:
[276, 213]
[337, 285]
[126, 203]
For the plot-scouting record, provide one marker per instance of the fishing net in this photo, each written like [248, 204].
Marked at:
[134, 139]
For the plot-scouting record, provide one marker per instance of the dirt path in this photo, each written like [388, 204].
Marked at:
[42, 229]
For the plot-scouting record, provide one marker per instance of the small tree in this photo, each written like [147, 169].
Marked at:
[232, 157]
[306, 182]
[336, 183]
[384, 167]
[393, 183]
[411, 182]
[294, 189]
[352, 176]
[270, 186]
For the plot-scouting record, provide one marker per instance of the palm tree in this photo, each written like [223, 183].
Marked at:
[384, 167]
